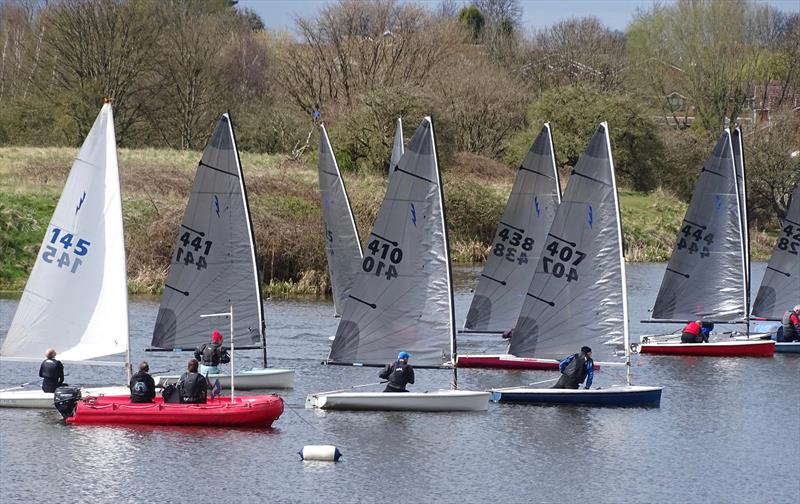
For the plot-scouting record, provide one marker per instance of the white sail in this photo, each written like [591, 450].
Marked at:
[76, 298]
[397, 146]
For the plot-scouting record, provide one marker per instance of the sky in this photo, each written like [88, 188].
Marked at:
[616, 14]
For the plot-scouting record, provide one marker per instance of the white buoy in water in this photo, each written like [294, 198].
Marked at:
[324, 453]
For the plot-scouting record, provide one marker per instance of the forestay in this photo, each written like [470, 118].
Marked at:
[780, 288]
[705, 277]
[342, 244]
[76, 298]
[213, 263]
[518, 240]
[402, 297]
[577, 293]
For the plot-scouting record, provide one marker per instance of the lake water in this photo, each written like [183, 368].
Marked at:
[728, 430]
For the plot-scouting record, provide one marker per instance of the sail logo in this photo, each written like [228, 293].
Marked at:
[216, 204]
[536, 205]
[413, 214]
[80, 203]
[590, 218]
[326, 201]
[719, 202]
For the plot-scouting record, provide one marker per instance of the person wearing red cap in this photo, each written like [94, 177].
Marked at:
[211, 355]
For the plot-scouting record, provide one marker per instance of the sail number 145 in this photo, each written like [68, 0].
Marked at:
[72, 261]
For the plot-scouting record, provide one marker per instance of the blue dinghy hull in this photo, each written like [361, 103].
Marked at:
[789, 347]
[612, 396]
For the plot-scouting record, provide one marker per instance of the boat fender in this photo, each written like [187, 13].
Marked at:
[324, 453]
[65, 399]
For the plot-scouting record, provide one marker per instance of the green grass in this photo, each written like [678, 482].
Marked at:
[286, 213]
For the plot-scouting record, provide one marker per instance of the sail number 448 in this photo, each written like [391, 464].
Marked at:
[790, 242]
[72, 261]
[690, 239]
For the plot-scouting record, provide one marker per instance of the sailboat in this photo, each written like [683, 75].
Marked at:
[517, 245]
[579, 287]
[402, 296]
[76, 298]
[707, 277]
[213, 266]
[342, 244]
[780, 287]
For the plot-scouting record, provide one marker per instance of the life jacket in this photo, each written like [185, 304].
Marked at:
[193, 388]
[50, 370]
[789, 329]
[140, 388]
[692, 328]
[399, 375]
[577, 368]
[211, 354]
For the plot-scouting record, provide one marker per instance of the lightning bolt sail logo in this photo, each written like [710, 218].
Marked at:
[413, 214]
[216, 204]
[590, 216]
[80, 203]
[719, 202]
[536, 205]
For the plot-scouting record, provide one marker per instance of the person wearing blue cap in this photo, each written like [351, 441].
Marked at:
[398, 374]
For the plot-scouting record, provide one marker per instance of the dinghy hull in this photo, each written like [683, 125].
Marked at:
[612, 396]
[253, 379]
[505, 361]
[438, 400]
[243, 411]
[788, 347]
[752, 348]
[37, 399]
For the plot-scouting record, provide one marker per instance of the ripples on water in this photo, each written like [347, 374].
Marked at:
[728, 430]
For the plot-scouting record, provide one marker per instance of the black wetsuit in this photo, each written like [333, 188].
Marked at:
[194, 388]
[212, 354]
[143, 388]
[399, 375]
[575, 371]
[52, 373]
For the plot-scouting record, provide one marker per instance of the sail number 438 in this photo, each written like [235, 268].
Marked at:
[377, 262]
[506, 246]
[70, 260]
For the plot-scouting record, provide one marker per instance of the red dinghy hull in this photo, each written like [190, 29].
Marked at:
[243, 411]
[751, 348]
[505, 361]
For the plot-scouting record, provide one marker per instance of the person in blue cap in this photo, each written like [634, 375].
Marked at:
[398, 374]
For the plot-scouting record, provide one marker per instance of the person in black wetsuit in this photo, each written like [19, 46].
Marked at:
[193, 386]
[575, 369]
[211, 355]
[51, 372]
[399, 373]
[142, 385]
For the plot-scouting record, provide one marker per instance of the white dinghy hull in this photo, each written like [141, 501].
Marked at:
[252, 379]
[437, 400]
[37, 399]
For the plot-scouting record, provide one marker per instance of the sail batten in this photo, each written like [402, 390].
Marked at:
[213, 264]
[518, 240]
[706, 274]
[401, 299]
[75, 299]
[780, 287]
[577, 291]
[342, 244]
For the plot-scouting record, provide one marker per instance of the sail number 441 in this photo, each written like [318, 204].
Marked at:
[71, 261]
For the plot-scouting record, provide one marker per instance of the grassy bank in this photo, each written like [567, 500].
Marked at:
[285, 210]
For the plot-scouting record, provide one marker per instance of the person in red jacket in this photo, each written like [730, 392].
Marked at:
[791, 325]
[696, 332]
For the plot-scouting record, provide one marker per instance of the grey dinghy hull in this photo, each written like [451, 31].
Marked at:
[37, 399]
[437, 400]
[253, 379]
[624, 395]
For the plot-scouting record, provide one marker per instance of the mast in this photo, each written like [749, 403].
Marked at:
[555, 167]
[262, 322]
[745, 222]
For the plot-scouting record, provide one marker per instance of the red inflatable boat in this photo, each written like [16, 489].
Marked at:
[243, 411]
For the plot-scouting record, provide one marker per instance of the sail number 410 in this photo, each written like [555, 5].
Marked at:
[66, 259]
[376, 264]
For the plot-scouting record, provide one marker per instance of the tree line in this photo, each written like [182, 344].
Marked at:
[667, 85]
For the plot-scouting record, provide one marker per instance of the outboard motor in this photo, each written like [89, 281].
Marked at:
[66, 399]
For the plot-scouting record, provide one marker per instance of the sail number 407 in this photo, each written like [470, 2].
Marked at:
[563, 261]
[70, 260]
[377, 262]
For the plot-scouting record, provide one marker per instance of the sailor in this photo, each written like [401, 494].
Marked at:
[398, 373]
[576, 368]
[192, 385]
[696, 332]
[142, 385]
[51, 372]
[791, 325]
[211, 355]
